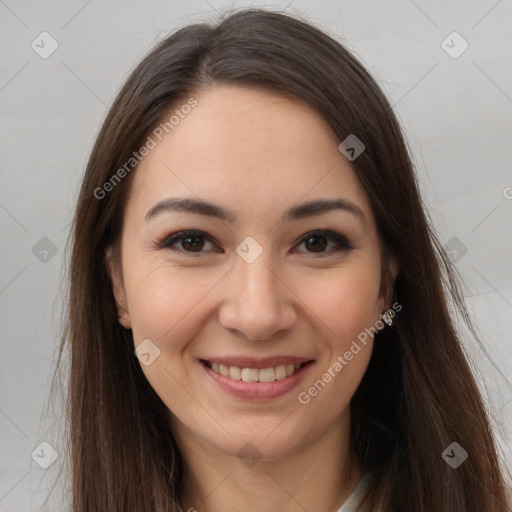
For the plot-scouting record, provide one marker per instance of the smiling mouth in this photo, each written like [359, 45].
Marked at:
[269, 374]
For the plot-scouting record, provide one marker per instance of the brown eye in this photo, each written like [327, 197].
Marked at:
[316, 243]
[190, 241]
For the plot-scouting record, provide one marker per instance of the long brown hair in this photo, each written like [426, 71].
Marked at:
[418, 394]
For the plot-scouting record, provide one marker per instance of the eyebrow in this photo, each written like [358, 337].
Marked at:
[300, 211]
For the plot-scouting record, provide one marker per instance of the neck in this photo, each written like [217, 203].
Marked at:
[318, 476]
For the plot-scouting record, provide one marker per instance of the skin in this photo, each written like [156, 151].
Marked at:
[257, 154]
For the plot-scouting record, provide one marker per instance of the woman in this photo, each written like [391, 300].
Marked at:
[259, 308]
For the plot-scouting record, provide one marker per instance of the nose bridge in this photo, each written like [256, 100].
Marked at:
[257, 281]
[256, 302]
[256, 285]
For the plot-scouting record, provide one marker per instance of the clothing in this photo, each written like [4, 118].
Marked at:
[351, 503]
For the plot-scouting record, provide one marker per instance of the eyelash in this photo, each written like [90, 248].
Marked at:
[342, 243]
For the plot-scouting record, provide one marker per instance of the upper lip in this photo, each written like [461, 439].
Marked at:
[252, 362]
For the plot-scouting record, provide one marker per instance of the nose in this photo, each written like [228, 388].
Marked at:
[257, 301]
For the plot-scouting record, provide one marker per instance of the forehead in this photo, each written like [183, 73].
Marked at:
[251, 150]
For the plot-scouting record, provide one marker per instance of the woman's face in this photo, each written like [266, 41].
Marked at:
[225, 313]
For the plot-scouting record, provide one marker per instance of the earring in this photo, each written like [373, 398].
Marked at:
[387, 315]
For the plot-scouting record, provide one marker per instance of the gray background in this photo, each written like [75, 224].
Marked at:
[457, 116]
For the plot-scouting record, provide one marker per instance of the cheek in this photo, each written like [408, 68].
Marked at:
[164, 302]
[347, 302]
[168, 308]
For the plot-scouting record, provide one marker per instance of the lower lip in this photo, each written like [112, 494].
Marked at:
[258, 390]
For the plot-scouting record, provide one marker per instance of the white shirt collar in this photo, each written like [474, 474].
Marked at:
[353, 500]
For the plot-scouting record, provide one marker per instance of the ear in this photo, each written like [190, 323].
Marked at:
[388, 284]
[394, 269]
[118, 288]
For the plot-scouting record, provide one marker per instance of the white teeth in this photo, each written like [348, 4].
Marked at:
[250, 374]
[280, 372]
[266, 375]
[235, 372]
[254, 374]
